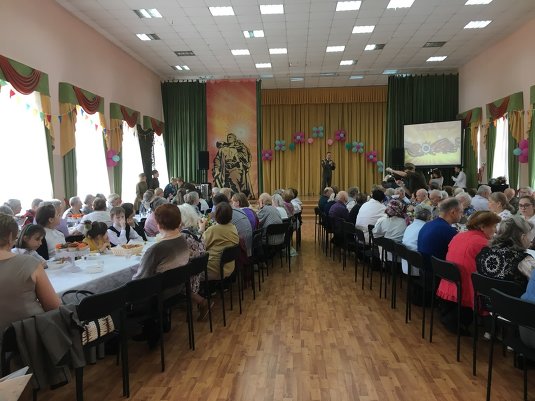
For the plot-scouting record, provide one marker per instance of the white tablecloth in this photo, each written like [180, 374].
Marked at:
[117, 270]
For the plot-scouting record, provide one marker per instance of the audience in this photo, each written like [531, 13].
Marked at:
[100, 213]
[14, 205]
[422, 214]
[498, 204]
[29, 216]
[75, 207]
[88, 204]
[113, 200]
[29, 241]
[481, 200]
[422, 197]
[324, 198]
[370, 212]
[394, 223]
[129, 216]
[267, 214]
[466, 203]
[48, 218]
[239, 201]
[278, 203]
[296, 202]
[526, 206]
[352, 196]
[170, 189]
[360, 199]
[120, 233]
[512, 199]
[339, 208]
[96, 237]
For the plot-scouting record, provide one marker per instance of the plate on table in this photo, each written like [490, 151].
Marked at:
[57, 264]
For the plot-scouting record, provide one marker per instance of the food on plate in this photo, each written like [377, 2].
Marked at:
[72, 246]
[130, 246]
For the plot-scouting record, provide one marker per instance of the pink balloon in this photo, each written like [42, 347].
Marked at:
[523, 144]
[525, 152]
[310, 140]
[329, 142]
[523, 159]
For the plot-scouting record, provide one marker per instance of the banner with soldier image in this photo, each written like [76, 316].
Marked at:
[232, 135]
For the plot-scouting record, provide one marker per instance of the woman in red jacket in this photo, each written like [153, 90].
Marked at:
[462, 251]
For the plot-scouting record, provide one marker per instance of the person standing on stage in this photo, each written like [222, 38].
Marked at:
[327, 167]
[460, 178]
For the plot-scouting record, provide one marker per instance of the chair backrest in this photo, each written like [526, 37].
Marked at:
[380, 241]
[276, 229]
[446, 270]
[144, 289]
[317, 211]
[349, 229]
[361, 239]
[401, 250]
[174, 277]
[337, 225]
[105, 303]
[198, 265]
[516, 310]
[483, 285]
[414, 258]
[229, 254]
[389, 245]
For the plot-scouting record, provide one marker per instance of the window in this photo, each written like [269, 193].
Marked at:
[23, 154]
[92, 174]
[160, 161]
[132, 165]
[500, 166]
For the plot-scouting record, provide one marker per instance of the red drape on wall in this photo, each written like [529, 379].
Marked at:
[23, 84]
[498, 111]
[157, 128]
[130, 120]
[90, 106]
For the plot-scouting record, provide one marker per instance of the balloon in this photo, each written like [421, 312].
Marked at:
[380, 169]
[354, 143]
[354, 150]
[348, 146]
[379, 163]
[116, 158]
[523, 144]
[329, 141]
[283, 148]
[523, 159]
[310, 140]
[111, 163]
[361, 150]
[517, 152]
[292, 146]
[110, 153]
[525, 152]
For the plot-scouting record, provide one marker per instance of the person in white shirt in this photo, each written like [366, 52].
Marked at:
[47, 217]
[296, 202]
[75, 204]
[393, 224]
[481, 200]
[99, 214]
[120, 233]
[422, 214]
[370, 212]
[460, 180]
[352, 192]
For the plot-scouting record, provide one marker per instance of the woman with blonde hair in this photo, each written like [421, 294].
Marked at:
[498, 204]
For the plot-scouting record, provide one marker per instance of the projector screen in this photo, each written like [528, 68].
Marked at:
[434, 144]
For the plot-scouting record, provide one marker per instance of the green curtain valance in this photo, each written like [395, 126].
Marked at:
[532, 95]
[471, 116]
[151, 123]
[500, 107]
[17, 73]
[120, 112]
[90, 102]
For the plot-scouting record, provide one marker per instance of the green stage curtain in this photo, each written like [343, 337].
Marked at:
[69, 173]
[491, 147]
[470, 160]
[418, 99]
[184, 108]
[259, 133]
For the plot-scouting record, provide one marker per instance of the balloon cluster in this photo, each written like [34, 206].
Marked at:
[522, 151]
[112, 158]
[299, 137]
[317, 132]
[280, 145]
[340, 135]
[371, 156]
[267, 155]
[358, 147]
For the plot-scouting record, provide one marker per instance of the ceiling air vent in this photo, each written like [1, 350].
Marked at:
[184, 53]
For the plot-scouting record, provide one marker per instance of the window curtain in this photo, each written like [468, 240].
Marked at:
[146, 145]
[418, 99]
[27, 80]
[184, 109]
[153, 126]
[259, 134]
[471, 120]
[513, 106]
[114, 137]
[69, 97]
[531, 136]
[360, 112]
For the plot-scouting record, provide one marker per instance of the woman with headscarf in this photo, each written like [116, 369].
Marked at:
[393, 225]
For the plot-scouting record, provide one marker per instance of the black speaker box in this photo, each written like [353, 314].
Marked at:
[398, 157]
[203, 160]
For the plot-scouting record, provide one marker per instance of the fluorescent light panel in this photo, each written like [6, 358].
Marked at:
[271, 9]
[148, 13]
[221, 11]
[147, 36]
[348, 62]
[266, 76]
[240, 52]
[335, 49]
[477, 2]
[253, 34]
[435, 59]
[363, 28]
[263, 65]
[182, 68]
[327, 74]
[477, 24]
[400, 4]
[356, 77]
[348, 5]
[389, 72]
[296, 79]
[281, 50]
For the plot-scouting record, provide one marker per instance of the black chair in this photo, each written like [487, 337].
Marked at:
[144, 302]
[512, 312]
[317, 224]
[365, 252]
[389, 247]
[288, 242]
[299, 223]
[176, 278]
[98, 306]
[482, 291]
[228, 255]
[350, 243]
[258, 259]
[415, 260]
[327, 231]
[276, 240]
[450, 272]
[337, 240]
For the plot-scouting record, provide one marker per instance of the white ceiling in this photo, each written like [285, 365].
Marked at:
[306, 29]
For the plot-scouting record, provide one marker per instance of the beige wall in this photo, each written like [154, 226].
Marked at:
[501, 70]
[45, 36]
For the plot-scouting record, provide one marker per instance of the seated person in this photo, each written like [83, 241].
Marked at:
[371, 211]
[75, 207]
[47, 217]
[394, 223]
[339, 208]
[120, 233]
[296, 202]
[100, 214]
[324, 198]
[29, 216]
[25, 289]
[239, 201]
[151, 227]
[278, 203]
[113, 200]
[422, 214]
[360, 199]
[129, 216]
[29, 240]
[267, 215]
[14, 205]
[97, 237]
[466, 202]
[145, 206]
[88, 204]
[218, 237]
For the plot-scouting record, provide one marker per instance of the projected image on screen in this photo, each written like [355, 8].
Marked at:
[434, 144]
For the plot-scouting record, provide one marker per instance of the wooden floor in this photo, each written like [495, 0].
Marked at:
[311, 334]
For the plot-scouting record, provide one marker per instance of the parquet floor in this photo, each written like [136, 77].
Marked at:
[311, 334]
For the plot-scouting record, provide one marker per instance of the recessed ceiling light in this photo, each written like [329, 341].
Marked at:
[477, 24]
[221, 11]
[356, 77]
[253, 34]
[147, 36]
[348, 5]
[271, 9]
[436, 59]
[477, 2]
[148, 13]
[184, 53]
[296, 79]
[377, 46]
[327, 74]
[182, 68]
[240, 52]
[266, 76]
[263, 65]
[348, 62]
[281, 50]
[363, 28]
[434, 44]
[389, 72]
[335, 49]
[400, 3]
[369, 47]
